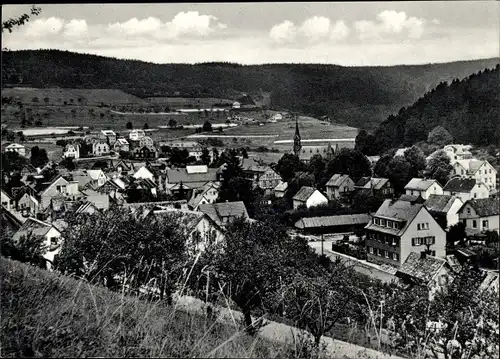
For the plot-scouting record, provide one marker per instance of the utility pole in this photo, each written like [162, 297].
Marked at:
[322, 241]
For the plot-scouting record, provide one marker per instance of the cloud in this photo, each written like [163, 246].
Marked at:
[43, 27]
[284, 32]
[313, 30]
[390, 23]
[190, 23]
[76, 29]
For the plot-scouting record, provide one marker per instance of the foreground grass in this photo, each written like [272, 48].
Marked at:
[49, 315]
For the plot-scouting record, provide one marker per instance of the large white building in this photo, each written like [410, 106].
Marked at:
[481, 171]
[16, 147]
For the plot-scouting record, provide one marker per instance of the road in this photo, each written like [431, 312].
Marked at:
[282, 333]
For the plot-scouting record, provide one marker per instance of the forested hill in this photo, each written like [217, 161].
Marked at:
[469, 109]
[357, 96]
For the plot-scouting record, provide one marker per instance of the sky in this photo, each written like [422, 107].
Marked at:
[343, 33]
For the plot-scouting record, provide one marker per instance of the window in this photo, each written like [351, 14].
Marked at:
[54, 240]
[430, 240]
[412, 193]
[389, 224]
[395, 256]
[479, 171]
[462, 171]
[386, 254]
[370, 249]
[443, 279]
[376, 221]
[382, 222]
[474, 223]
[418, 226]
[468, 210]
[485, 224]
[394, 241]
[475, 195]
[416, 241]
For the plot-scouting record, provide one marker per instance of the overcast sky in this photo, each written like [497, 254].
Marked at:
[350, 34]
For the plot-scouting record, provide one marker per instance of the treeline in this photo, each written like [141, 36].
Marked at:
[468, 109]
[357, 96]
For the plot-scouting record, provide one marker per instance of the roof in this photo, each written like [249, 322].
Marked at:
[94, 174]
[440, 203]
[33, 227]
[282, 186]
[410, 198]
[484, 207]
[108, 132]
[332, 221]
[308, 151]
[401, 151]
[460, 184]
[491, 281]
[421, 269]
[304, 193]
[371, 183]
[453, 263]
[396, 211]
[85, 206]
[336, 180]
[122, 141]
[197, 169]
[248, 164]
[14, 145]
[217, 211]
[181, 175]
[420, 184]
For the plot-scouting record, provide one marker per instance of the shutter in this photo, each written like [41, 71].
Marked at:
[433, 240]
[413, 241]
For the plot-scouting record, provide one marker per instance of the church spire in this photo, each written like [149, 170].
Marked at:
[297, 146]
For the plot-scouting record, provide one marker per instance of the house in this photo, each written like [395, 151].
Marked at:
[339, 185]
[98, 199]
[446, 205]
[466, 188]
[223, 213]
[480, 215]
[135, 135]
[332, 224]
[109, 136]
[146, 141]
[379, 186]
[38, 229]
[72, 150]
[280, 189]
[399, 228]
[122, 168]
[401, 151]
[90, 178]
[482, 171]
[307, 152]
[16, 147]
[263, 177]
[143, 172]
[121, 144]
[208, 194]
[145, 152]
[236, 105]
[100, 147]
[190, 180]
[277, 117]
[6, 199]
[27, 204]
[426, 270]
[86, 207]
[413, 199]
[308, 197]
[59, 187]
[423, 187]
[194, 149]
[458, 152]
[373, 160]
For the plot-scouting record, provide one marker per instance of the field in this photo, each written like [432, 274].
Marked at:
[50, 315]
[188, 102]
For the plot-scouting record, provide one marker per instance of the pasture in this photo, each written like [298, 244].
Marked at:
[188, 102]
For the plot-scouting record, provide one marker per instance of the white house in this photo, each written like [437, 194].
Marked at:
[480, 215]
[277, 117]
[144, 173]
[466, 188]
[208, 194]
[445, 204]
[280, 189]
[16, 147]
[121, 144]
[309, 197]
[51, 235]
[458, 152]
[136, 135]
[423, 188]
[72, 150]
[109, 135]
[236, 105]
[482, 171]
[100, 147]
[7, 200]
[339, 185]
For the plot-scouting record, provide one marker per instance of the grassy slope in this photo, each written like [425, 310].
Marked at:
[44, 314]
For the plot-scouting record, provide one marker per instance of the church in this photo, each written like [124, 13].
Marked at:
[324, 148]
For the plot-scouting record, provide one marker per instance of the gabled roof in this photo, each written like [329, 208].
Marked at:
[94, 174]
[197, 169]
[420, 184]
[400, 211]
[304, 193]
[336, 180]
[281, 187]
[181, 175]
[33, 227]
[217, 211]
[490, 281]
[460, 184]
[84, 207]
[422, 270]
[121, 141]
[14, 145]
[108, 132]
[440, 203]
[410, 198]
[371, 183]
[332, 221]
[484, 207]
[250, 165]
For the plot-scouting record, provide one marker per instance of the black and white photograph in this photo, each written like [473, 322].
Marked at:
[250, 180]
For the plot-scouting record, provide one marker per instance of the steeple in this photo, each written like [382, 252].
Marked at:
[297, 146]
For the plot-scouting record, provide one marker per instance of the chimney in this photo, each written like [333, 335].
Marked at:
[423, 255]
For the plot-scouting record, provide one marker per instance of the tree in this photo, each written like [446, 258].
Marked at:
[416, 158]
[172, 123]
[244, 152]
[38, 156]
[439, 136]
[178, 157]
[398, 173]
[297, 182]
[129, 125]
[366, 143]
[61, 143]
[146, 126]
[205, 156]
[20, 21]
[380, 169]
[35, 99]
[38, 123]
[13, 161]
[288, 165]
[46, 100]
[350, 162]
[207, 126]
[366, 202]
[439, 167]
[215, 156]
[456, 234]
[68, 163]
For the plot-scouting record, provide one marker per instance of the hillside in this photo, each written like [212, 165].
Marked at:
[469, 109]
[47, 315]
[356, 96]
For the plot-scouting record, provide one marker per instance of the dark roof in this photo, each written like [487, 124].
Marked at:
[216, 211]
[459, 184]
[439, 203]
[484, 207]
[336, 180]
[371, 183]
[32, 227]
[420, 269]
[332, 221]
[304, 193]
[397, 211]
[453, 263]
[409, 198]
[181, 175]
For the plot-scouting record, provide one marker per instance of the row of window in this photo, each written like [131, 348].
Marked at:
[474, 223]
[419, 241]
[422, 226]
[384, 238]
[383, 253]
[386, 223]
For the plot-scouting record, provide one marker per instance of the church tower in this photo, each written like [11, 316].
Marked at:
[297, 146]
